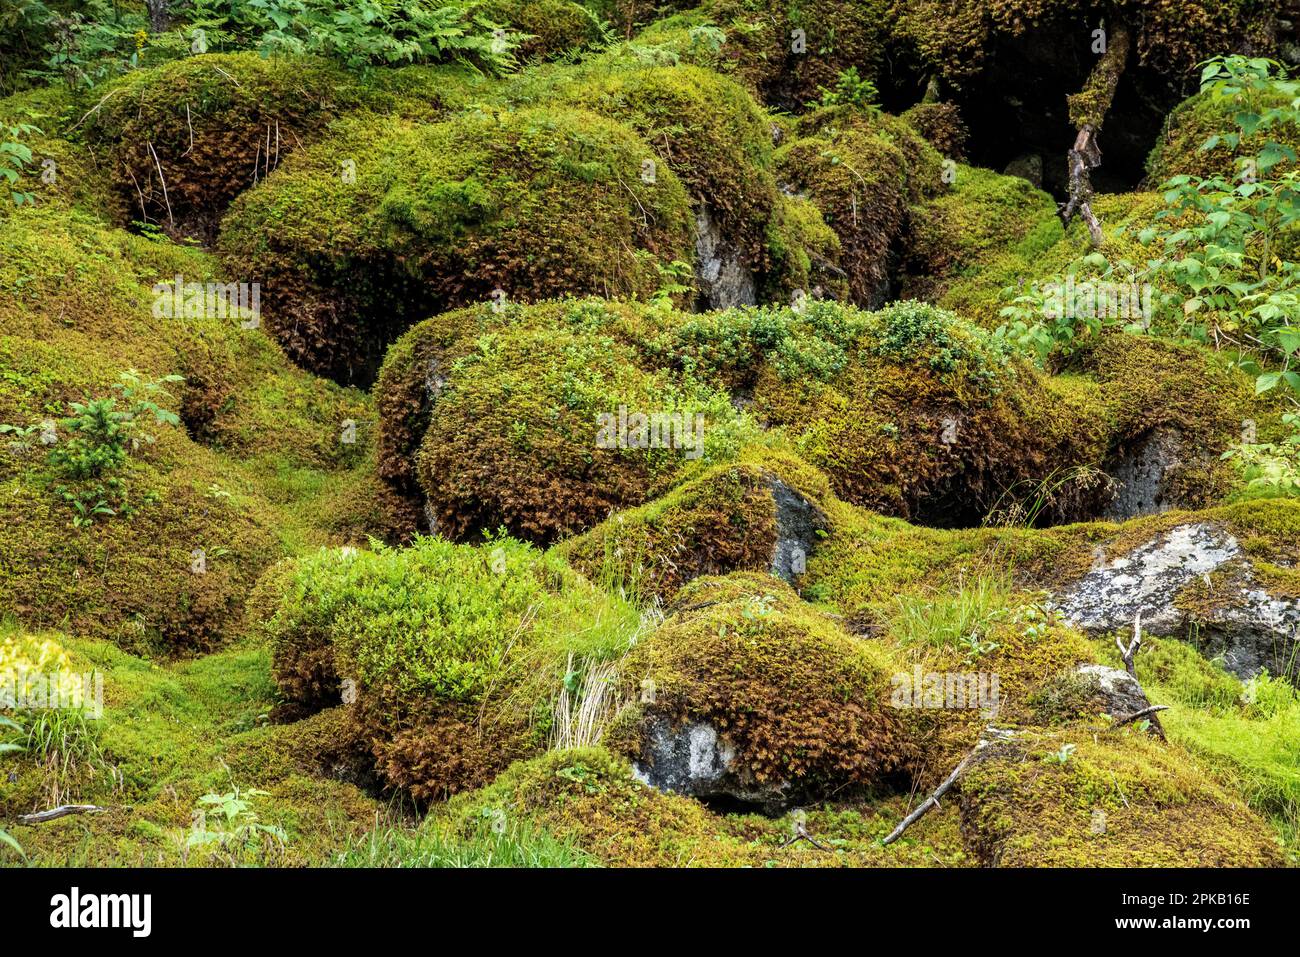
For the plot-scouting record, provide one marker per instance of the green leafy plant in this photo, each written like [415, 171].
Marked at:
[384, 32]
[15, 157]
[228, 822]
[851, 89]
[1271, 468]
[1062, 756]
[1221, 236]
[9, 747]
[102, 432]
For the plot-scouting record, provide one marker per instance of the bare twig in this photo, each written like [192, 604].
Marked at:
[801, 834]
[171, 221]
[95, 108]
[62, 810]
[1126, 719]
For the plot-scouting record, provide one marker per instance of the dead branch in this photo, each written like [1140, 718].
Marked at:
[801, 834]
[1128, 653]
[63, 810]
[95, 108]
[1134, 646]
[933, 800]
[1120, 722]
[986, 736]
[1088, 109]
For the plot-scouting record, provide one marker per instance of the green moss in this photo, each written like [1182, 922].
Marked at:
[874, 413]
[762, 51]
[590, 800]
[724, 520]
[62, 171]
[556, 27]
[535, 203]
[184, 138]
[455, 653]
[168, 735]
[967, 231]
[1116, 800]
[1175, 35]
[860, 170]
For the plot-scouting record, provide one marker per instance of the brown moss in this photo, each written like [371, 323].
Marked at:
[803, 704]
[203, 128]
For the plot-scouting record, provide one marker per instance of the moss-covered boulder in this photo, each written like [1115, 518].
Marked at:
[747, 694]
[451, 657]
[788, 55]
[1202, 120]
[543, 419]
[967, 230]
[62, 171]
[184, 138]
[554, 28]
[862, 170]
[762, 512]
[523, 206]
[908, 410]
[709, 131]
[186, 523]
[1113, 800]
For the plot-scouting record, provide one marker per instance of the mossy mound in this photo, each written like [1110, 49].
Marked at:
[984, 221]
[914, 412]
[455, 654]
[77, 310]
[417, 366]
[543, 419]
[758, 513]
[186, 137]
[862, 170]
[706, 129]
[555, 27]
[940, 124]
[1175, 35]
[62, 172]
[798, 706]
[1137, 373]
[521, 205]
[168, 734]
[1181, 148]
[593, 802]
[788, 55]
[517, 439]
[1114, 800]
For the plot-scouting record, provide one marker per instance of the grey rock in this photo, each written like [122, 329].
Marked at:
[1028, 166]
[724, 281]
[1139, 477]
[1239, 621]
[797, 523]
[1119, 691]
[694, 760]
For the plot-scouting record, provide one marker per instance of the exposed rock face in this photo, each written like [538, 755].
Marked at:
[1140, 477]
[723, 279]
[1118, 691]
[797, 523]
[1168, 581]
[1028, 166]
[695, 760]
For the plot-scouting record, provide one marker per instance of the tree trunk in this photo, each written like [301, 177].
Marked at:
[159, 14]
[1088, 110]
